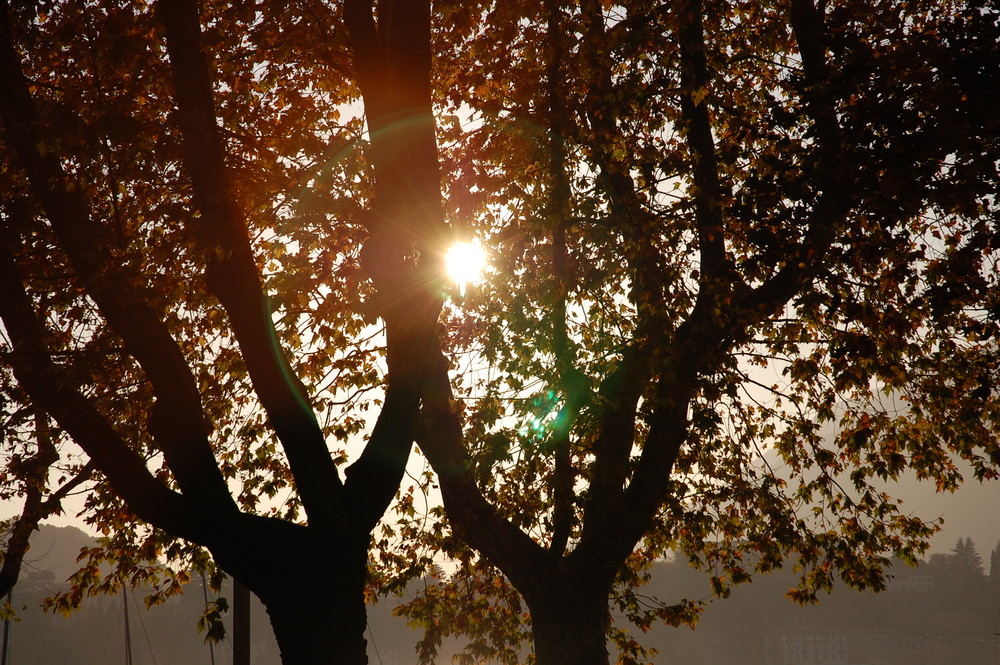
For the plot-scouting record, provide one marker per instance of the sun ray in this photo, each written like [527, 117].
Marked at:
[464, 263]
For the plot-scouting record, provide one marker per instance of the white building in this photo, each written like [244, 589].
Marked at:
[806, 645]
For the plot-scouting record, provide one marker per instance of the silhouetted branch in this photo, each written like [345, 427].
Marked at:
[177, 421]
[232, 272]
[52, 389]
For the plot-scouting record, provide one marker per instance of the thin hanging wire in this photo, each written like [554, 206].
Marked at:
[142, 624]
[372, 638]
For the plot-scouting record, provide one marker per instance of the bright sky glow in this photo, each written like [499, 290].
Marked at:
[464, 262]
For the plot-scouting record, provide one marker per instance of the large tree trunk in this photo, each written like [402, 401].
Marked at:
[569, 624]
[314, 594]
[317, 625]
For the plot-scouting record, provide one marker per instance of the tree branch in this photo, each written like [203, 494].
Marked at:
[471, 515]
[232, 272]
[51, 388]
[619, 394]
[35, 507]
[715, 273]
[621, 390]
[404, 252]
[572, 382]
[33, 473]
[372, 480]
[833, 172]
[177, 422]
[368, 59]
[695, 348]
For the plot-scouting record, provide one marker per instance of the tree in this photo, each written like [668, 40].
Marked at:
[689, 192]
[143, 204]
[967, 563]
[744, 270]
[29, 481]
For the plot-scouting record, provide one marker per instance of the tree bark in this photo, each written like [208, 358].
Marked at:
[328, 629]
[569, 623]
[317, 608]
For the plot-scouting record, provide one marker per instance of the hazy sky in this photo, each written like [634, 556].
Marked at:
[973, 511]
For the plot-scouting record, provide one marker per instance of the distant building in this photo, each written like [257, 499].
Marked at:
[957, 621]
[911, 584]
[38, 580]
[698, 648]
[893, 647]
[806, 645]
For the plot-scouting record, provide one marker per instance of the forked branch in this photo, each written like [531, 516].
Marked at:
[177, 422]
[232, 272]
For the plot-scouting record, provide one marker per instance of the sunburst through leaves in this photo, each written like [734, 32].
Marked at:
[464, 263]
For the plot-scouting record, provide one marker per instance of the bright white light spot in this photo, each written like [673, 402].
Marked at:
[464, 263]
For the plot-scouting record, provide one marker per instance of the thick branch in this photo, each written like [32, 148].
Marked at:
[403, 254]
[372, 480]
[33, 473]
[17, 542]
[36, 508]
[368, 61]
[690, 352]
[232, 272]
[714, 273]
[834, 170]
[52, 389]
[473, 518]
[392, 63]
[695, 349]
[559, 211]
[178, 422]
[620, 391]
[619, 396]
[632, 219]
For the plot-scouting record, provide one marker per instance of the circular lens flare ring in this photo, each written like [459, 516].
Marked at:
[464, 262]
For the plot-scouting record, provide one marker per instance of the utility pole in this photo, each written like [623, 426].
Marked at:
[241, 624]
[6, 628]
[204, 591]
[128, 632]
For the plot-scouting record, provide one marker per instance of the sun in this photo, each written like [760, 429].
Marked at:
[464, 262]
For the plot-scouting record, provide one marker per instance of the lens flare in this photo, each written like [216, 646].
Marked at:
[464, 262]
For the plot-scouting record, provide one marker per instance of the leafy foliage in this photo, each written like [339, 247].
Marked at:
[183, 217]
[743, 275]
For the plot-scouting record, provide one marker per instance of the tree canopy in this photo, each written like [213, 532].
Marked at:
[744, 278]
[742, 274]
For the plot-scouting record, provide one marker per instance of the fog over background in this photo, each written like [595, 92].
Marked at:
[885, 629]
[971, 512]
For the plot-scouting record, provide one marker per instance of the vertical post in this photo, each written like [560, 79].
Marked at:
[6, 629]
[241, 624]
[128, 632]
[204, 591]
